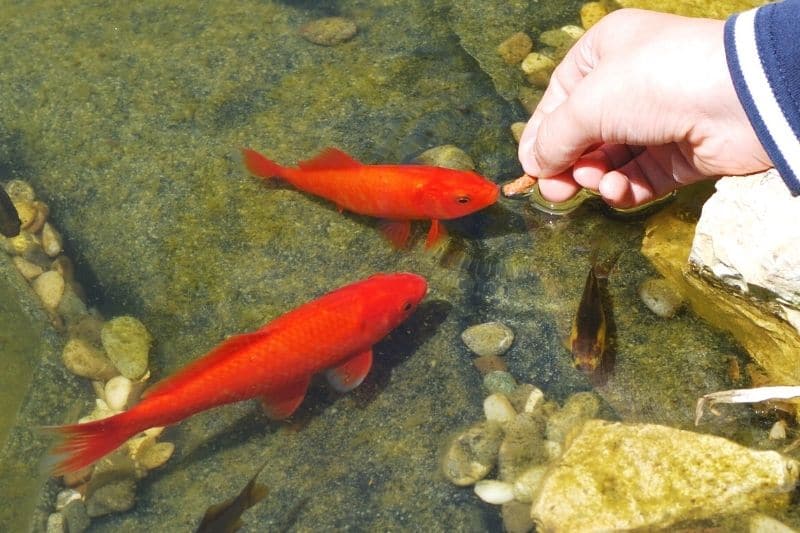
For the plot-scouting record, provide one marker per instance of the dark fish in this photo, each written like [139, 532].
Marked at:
[587, 341]
[9, 219]
[226, 517]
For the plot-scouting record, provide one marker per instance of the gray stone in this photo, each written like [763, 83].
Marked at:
[618, 477]
[127, 343]
[76, 517]
[499, 381]
[447, 156]
[490, 338]
[115, 497]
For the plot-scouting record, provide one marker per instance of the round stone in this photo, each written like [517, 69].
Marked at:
[538, 68]
[499, 381]
[515, 48]
[82, 359]
[112, 498]
[591, 13]
[127, 343]
[446, 156]
[28, 270]
[117, 391]
[472, 454]
[516, 130]
[660, 297]
[51, 240]
[493, 491]
[498, 409]
[49, 287]
[490, 338]
[20, 190]
[329, 31]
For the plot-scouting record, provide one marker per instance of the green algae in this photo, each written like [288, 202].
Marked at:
[131, 134]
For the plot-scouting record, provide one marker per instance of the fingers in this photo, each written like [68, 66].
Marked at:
[558, 188]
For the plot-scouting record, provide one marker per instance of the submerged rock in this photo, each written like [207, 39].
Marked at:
[127, 343]
[617, 476]
[329, 31]
[115, 497]
[490, 338]
[472, 454]
[514, 49]
[447, 156]
[660, 297]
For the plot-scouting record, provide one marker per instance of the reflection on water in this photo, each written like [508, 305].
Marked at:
[128, 119]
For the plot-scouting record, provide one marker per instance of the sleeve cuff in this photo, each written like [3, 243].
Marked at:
[759, 48]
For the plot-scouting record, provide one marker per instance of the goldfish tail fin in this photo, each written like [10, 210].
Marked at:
[260, 166]
[80, 445]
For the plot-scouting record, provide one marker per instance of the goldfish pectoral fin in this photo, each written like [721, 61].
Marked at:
[351, 373]
[283, 402]
[396, 231]
[436, 233]
[329, 159]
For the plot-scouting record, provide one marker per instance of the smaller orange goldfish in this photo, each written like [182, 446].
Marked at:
[395, 193]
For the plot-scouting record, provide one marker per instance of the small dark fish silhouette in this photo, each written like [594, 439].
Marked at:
[9, 218]
[226, 517]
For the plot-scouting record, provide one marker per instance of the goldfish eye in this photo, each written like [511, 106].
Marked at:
[407, 307]
[463, 199]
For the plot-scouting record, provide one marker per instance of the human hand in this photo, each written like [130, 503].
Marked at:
[642, 104]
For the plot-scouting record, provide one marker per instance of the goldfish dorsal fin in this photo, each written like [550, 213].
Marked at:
[329, 159]
[281, 403]
[351, 373]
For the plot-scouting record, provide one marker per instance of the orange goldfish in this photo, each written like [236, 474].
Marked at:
[395, 193]
[334, 333]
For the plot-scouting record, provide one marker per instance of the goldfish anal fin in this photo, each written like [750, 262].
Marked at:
[281, 403]
[351, 373]
[329, 159]
[396, 231]
[436, 233]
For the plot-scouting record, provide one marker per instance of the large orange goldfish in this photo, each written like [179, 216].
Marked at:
[395, 193]
[334, 333]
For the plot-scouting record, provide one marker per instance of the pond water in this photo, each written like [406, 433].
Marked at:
[128, 119]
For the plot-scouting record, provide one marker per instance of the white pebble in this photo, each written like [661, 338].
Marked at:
[778, 430]
[117, 391]
[493, 491]
[498, 408]
[49, 287]
[527, 483]
[66, 496]
[535, 400]
[51, 240]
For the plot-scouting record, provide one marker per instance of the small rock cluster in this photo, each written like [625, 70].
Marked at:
[537, 62]
[113, 354]
[522, 434]
[329, 31]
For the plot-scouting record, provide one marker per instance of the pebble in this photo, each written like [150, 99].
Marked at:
[28, 270]
[49, 287]
[55, 523]
[66, 496]
[516, 130]
[42, 212]
[499, 381]
[24, 244]
[20, 190]
[490, 338]
[557, 38]
[527, 483]
[514, 49]
[778, 430]
[517, 517]
[88, 328]
[115, 497]
[127, 343]
[660, 297]
[489, 363]
[522, 446]
[493, 491]
[576, 32]
[526, 398]
[472, 454]
[83, 359]
[538, 68]
[26, 211]
[497, 408]
[51, 240]
[71, 307]
[591, 13]
[579, 408]
[156, 455]
[117, 391]
[446, 156]
[76, 517]
[101, 410]
[329, 31]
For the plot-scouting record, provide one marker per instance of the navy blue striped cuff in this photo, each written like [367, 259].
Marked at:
[753, 41]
